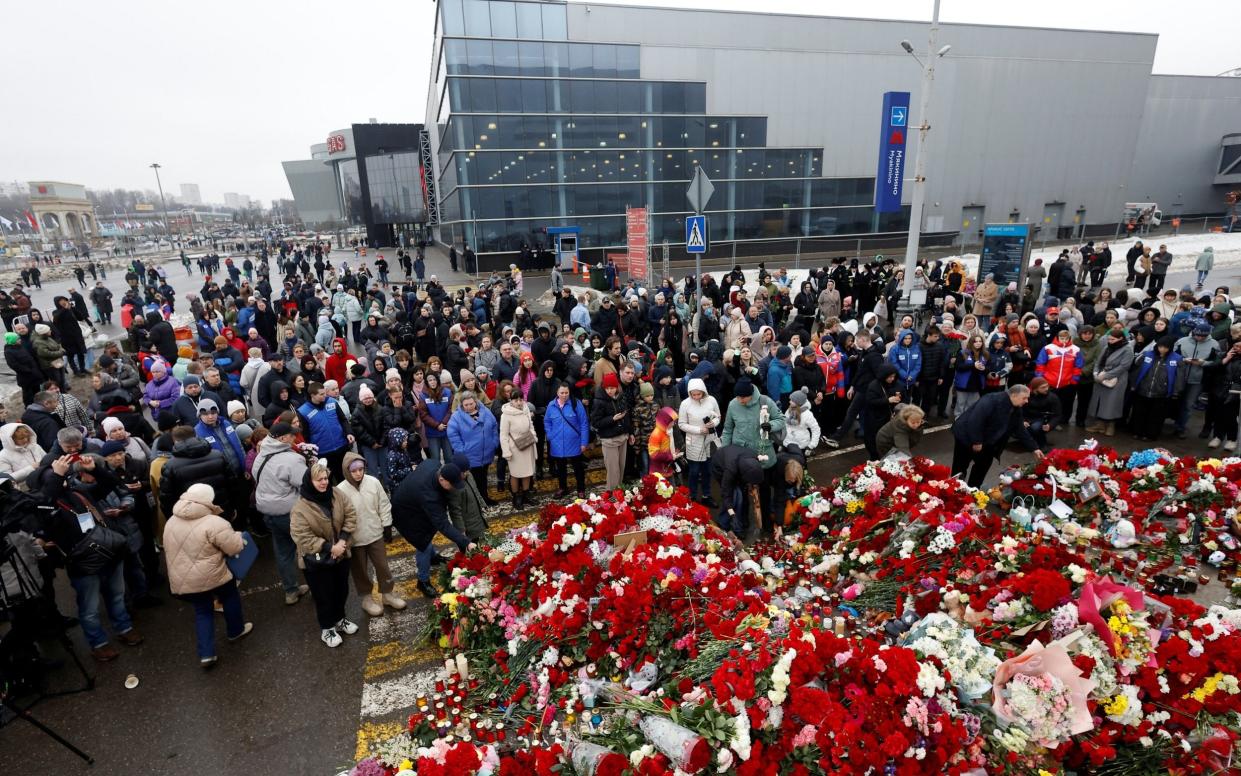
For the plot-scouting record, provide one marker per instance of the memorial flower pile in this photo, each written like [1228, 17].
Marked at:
[909, 625]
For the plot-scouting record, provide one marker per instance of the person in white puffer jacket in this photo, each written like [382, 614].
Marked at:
[699, 418]
[20, 453]
[800, 426]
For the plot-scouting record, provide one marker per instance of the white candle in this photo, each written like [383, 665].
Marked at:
[463, 667]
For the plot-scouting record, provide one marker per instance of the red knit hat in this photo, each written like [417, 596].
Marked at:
[610, 380]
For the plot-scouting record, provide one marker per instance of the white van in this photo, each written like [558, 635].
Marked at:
[1142, 214]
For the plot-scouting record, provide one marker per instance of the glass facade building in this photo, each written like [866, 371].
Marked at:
[535, 130]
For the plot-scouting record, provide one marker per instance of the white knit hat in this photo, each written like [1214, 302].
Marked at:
[42, 328]
[111, 424]
[234, 406]
[200, 493]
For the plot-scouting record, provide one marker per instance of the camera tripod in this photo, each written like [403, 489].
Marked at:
[21, 669]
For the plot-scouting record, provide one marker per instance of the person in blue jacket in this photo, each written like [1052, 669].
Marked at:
[207, 332]
[780, 376]
[219, 433]
[1157, 383]
[327, 427]
[474, 433]
[906, 356]
[567, 426]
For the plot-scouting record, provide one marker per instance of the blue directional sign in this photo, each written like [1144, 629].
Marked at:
[890, 177]
[696, 239]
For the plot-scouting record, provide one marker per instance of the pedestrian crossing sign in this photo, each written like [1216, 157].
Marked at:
[696, 234]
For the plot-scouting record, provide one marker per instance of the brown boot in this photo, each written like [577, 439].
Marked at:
[130, 638]
[1109, 428]
[105, 653]
[1094, 427]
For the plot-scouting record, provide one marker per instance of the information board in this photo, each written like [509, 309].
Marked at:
[1005, 253]
[637, 240]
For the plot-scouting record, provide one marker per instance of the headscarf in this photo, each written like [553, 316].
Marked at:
[308, 491]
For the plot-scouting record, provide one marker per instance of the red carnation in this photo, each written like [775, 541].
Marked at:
[1047, 589]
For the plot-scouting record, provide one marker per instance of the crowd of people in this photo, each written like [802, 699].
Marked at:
[334, 408]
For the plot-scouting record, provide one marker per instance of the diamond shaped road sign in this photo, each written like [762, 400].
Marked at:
[700, 190]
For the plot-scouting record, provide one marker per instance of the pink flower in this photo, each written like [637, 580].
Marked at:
[851, 592]
[1042, 663]
[1099, 594]
[805, 736]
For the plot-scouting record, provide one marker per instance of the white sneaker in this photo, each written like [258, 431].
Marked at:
[1214, 442]
[393, 600]
[1231, 445]
[348, 628]
[372, 607]
[331, 637]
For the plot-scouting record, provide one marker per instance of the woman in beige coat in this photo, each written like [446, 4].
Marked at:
[322, 523]
[196, 541]
[518, 443]
[374, 510]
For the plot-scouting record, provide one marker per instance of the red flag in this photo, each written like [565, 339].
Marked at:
[31, 219]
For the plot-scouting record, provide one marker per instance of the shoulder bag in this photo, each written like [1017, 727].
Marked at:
[100, 547]
[321, 560]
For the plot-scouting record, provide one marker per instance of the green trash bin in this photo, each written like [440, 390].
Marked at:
[598, 279]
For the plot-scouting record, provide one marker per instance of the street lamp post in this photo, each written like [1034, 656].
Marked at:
[918, 202]
[164, 205]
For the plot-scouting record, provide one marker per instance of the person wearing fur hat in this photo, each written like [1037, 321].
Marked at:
[197, 542]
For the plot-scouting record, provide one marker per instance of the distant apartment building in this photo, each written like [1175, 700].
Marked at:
[190, 194]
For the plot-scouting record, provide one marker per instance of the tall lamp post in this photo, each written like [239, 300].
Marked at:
[155, 166]
[919, 196]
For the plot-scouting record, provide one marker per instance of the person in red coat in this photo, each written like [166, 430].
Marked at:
[1060, 363]
[337, 367]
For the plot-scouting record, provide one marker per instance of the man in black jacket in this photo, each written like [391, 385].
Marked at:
[65, 321]
[420, 510]
[41, 416]
[1131, 260]
[25, 367]
[982, 431]
[739, 473]
[934, 368]
[193, 461]
[162, 337]
[606, 321]
[1062, 280]
[870, 358]
[882, 394]
[277, 374]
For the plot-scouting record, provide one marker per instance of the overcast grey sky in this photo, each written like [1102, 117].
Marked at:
[220, 93]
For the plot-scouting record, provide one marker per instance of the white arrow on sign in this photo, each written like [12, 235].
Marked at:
[700, 190]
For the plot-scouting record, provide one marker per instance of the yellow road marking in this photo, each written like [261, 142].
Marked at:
[373, 733]
[395, 655]
[399, 546]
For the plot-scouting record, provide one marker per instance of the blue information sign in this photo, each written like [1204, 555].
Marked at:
[891, 171]
[1005, 251]
[696, 239]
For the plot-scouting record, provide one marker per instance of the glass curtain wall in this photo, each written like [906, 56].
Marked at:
[539, 131]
